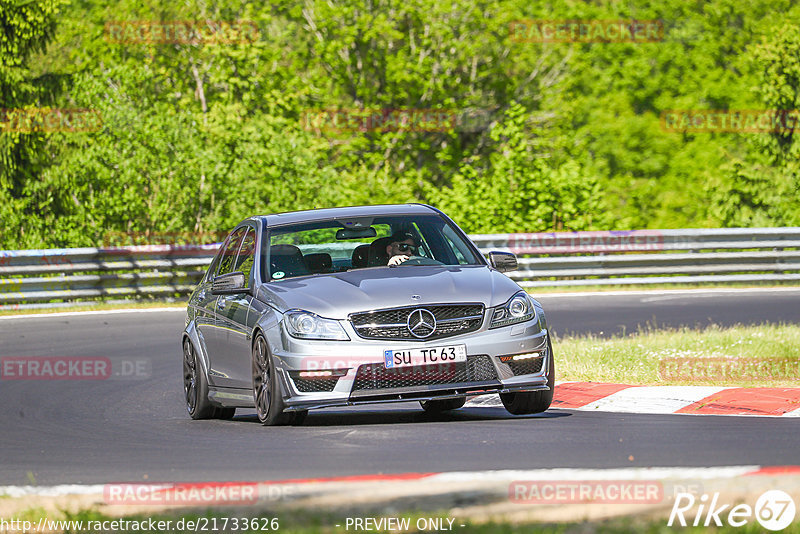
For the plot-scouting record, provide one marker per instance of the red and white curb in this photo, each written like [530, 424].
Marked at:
[506, 475]
[693, 400]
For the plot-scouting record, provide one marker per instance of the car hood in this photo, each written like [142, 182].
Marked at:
[339, 294]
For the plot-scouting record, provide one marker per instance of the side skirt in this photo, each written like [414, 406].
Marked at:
[231, 397]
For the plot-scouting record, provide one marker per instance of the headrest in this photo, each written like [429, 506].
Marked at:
[319, 263]
[360, 256]
[286, 261]
[284, 250]
[377, 252]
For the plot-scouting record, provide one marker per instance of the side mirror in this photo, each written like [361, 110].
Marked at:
[503, 261]
[228, 284]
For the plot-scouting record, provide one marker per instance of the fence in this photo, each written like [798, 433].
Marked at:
[31, 276]
[641, 257]
[636, 257]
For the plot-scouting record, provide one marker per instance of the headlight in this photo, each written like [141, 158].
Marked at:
[518, 309]
[306, 325]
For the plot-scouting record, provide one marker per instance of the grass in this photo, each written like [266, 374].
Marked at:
[763, 355]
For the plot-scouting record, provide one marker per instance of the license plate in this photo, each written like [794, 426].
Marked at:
[427, 356]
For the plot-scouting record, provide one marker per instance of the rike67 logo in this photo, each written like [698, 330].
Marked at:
[774, 510]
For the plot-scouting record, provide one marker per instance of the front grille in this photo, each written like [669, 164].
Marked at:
[451, 320]
[376, 376]
[314, 384]
[528, 366]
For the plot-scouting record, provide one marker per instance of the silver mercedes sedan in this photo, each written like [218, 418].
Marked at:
[370, 304]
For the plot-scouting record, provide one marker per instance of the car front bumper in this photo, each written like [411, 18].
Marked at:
[485, 348]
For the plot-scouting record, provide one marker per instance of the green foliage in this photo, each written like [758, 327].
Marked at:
[762, 187]
[519, 192]
[25, 28]
[538, 136]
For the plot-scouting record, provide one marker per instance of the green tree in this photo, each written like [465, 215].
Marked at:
[762, 186]
[519, 192]
[544, 136]
[26, 26]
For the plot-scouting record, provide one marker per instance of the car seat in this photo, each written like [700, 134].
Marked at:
[320, 262]
[377, 252]
[360, 256]
[287, 259]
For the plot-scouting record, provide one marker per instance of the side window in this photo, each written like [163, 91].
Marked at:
[447, 232]
[244, 262]
[212, 268]
[424, 248]
[228, 258]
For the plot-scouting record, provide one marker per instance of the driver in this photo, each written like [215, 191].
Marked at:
[402, 246]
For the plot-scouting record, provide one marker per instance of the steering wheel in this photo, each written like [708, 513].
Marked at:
[421, 260]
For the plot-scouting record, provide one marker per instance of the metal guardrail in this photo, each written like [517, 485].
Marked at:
[636, 257]
[31, 276]
[645, 257]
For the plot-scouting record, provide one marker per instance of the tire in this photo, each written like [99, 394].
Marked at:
[195, 387]
[266, 389]
[443, 405]
[524, 403]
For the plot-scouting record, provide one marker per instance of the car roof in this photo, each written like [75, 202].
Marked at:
[292, 217]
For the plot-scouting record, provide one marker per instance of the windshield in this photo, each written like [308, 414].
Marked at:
[359, 243]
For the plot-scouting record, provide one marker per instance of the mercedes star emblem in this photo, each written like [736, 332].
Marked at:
[421, 323]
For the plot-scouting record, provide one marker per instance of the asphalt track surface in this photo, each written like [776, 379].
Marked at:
[136, 429]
